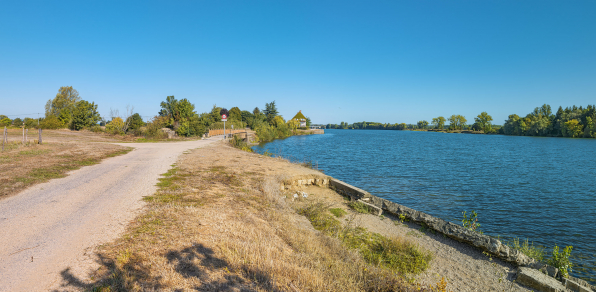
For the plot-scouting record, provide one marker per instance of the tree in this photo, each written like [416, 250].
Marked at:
[235, 114]
[135, 122]
[51, 122]
[573, 128]
[256, 111]
[270, 111]
[17, 122]
[439, 122]
[63, 104]
[168, 108]
[5, 122]
[457, 122]
[422, 124]
[483, 120]
[84, 114]
[308, 122]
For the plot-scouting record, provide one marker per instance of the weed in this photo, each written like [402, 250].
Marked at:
[338, 212]
[471, 222]
[403, 218]
[535, 252]
[360, 207]
[560, 260]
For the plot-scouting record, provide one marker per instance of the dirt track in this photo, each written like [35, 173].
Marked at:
[51, 228]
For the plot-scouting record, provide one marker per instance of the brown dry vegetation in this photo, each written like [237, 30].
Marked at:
[220, 222]
[24, 165]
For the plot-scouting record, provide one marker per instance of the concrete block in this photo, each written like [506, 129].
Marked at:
[535, 279]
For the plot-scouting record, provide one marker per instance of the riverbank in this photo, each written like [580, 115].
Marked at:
[221, 222]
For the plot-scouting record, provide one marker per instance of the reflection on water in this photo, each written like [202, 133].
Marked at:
[543, 189]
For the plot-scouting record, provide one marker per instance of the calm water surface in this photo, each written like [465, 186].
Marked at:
[543, 189]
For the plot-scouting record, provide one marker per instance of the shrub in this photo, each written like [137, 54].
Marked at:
[471, 222]
[153, 128]
[51, 122]
[560, 260]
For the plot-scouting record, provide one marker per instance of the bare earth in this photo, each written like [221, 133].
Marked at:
[55, 225]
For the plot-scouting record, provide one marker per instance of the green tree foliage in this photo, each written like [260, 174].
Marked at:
[115, 126]
[308, 122]
[51, 122]
[422, 124]
[5, 122]
[17, 122]
[270, 111]
[439, 122]
[63, 104]
[568, 122]
[235, 114]
[182, 118]
[457, 122]
[84, 114]
[135, 122]
[484, 122]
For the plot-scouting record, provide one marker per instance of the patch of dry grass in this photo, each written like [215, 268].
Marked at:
[22, 166]
[219, 223]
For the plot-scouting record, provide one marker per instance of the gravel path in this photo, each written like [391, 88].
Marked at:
[53, 227]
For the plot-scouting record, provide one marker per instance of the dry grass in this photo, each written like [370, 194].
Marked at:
[24, 165]
[219, 222]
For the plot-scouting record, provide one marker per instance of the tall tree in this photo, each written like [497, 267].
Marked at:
[84, 115]
[484, 121]
[439, 122]
[63, 104]
[270, 111]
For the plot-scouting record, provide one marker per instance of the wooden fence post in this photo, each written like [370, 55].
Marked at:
[23, 135]
[39, 136]
[3, 138]
[27, 136]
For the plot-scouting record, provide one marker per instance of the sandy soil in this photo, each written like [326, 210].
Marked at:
[53, 226]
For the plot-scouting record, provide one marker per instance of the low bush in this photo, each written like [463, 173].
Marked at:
[51, 122]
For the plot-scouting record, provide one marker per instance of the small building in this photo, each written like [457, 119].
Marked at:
[300, 118]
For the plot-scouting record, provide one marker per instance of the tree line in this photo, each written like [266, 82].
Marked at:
[68, 110]
[575, 122]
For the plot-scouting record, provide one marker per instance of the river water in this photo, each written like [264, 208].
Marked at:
[541, 189]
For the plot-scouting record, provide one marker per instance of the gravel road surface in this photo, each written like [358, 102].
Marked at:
[54, 226]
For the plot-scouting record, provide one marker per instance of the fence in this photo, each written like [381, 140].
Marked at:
[221, 132]
[25, 139]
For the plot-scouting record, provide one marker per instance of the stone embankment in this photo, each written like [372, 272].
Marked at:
[531, 273]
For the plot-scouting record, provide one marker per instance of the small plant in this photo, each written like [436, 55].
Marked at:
[560, 260]
[267, 153]
[338, 212]
[535, 252]
[359, 207]
[471, 222]
[403, 218]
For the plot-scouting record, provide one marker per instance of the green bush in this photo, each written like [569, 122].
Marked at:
[338, 212]
[560, 260]
[5, 122]
[51, 122]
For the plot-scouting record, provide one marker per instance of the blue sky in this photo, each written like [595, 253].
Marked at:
[386, 61]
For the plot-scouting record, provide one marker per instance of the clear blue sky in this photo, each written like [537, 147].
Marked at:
[386, 61]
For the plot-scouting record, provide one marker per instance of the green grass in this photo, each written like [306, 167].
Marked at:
[338, 212]
[360, 207]
[397, 255]
[34, 152]
[120, 152]
[536, 252]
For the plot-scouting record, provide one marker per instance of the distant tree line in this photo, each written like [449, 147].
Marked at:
[569, 122]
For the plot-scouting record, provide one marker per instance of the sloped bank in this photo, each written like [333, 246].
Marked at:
[531, 273]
